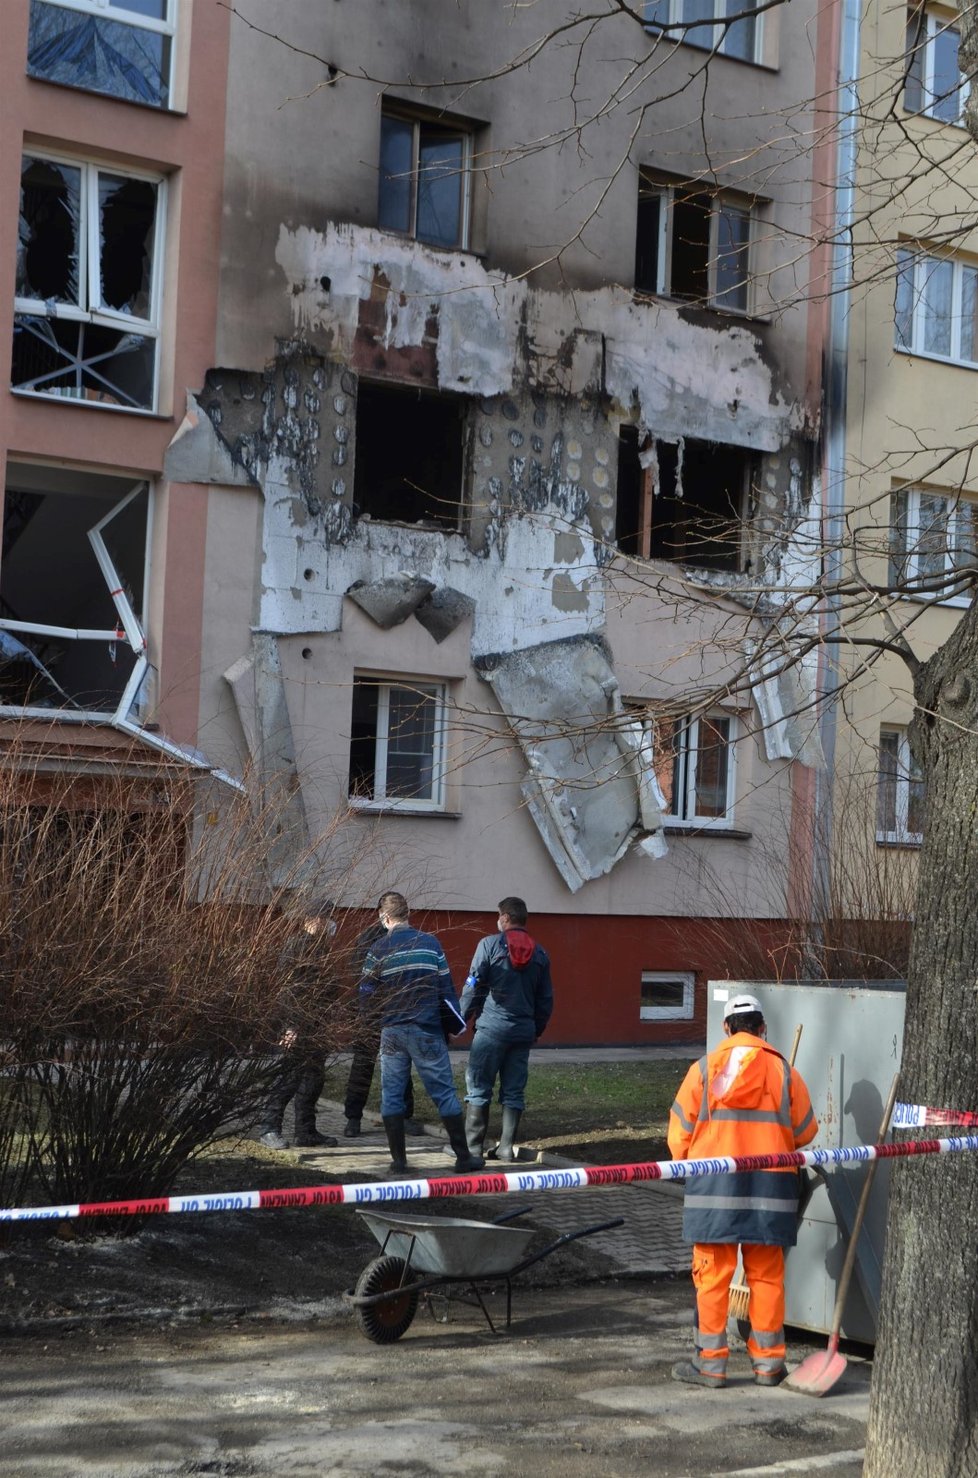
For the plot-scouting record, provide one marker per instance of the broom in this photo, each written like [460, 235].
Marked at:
[739, 1305]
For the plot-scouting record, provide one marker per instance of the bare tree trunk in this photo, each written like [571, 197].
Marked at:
[924, 1408]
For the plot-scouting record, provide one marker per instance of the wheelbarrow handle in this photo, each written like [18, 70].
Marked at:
[604, 1226]
[499, 1221]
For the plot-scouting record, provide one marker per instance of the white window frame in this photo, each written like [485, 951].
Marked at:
[906, 557]
[89, 277]
[702, 35]
[129, 629]
[105, 10]
[900, 835]
[450, 129]
[685, 771]
[380, 801]
[913, 267]
[670, 1013]
[931, 26]
[719, 202]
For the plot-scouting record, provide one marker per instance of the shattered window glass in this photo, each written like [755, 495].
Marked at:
[126, 55]
[86, 325]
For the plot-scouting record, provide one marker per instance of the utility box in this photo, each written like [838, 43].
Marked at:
[848, 1054]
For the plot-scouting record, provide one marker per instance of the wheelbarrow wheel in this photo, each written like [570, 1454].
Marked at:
[387, 1320]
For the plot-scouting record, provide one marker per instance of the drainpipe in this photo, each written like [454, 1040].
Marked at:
[834, 460]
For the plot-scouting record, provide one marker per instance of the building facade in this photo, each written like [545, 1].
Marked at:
[468, 402]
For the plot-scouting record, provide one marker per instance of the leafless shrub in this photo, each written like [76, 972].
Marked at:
[144, 976]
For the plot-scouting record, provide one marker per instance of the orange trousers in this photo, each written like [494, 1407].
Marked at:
[714, 1264]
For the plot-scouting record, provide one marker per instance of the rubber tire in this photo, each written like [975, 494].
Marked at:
[384, 1322]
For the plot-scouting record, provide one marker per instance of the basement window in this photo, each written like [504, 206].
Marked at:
[72, 589]
[666, 996]
[409, 455]
[682, 501]
[87, 305]
[397, 744]
[123, 48]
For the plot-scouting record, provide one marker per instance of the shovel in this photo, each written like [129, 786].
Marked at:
[818, 1373]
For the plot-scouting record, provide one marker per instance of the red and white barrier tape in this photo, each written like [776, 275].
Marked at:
[916, 1115]
[492, 1183]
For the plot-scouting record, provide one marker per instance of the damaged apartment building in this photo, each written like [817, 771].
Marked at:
[464, 477]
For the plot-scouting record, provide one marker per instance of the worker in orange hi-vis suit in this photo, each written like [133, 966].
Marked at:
[742, 1099]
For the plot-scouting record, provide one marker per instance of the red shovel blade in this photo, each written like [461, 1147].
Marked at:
[818, 1373]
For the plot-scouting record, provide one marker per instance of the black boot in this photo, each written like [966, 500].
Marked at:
[394, 1128]
[511, 1122]
[476, 1126]
[464, 1160]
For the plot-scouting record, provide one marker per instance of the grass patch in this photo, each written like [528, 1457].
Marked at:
[599, 1111]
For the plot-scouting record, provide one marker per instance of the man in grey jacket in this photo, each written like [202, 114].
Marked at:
[509, 996]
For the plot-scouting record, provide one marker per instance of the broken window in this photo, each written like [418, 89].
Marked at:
[409, 455]
[900, 791]
[693, 760]
[86, 322]
[694, 244]
[425, 168]
[397, 743]
[666, 996]
[123, 48]
[709, 24]
[72, 589]
[935, 84]
[682, 501]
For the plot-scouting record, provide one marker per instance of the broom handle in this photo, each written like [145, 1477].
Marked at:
[857, 1225]
[794, 1046]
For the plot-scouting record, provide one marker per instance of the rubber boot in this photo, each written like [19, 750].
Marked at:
[394, 1128]
[476, 1127]
[511, 1122]
[464, 1160]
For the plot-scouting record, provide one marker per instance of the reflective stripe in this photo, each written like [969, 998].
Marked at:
[677, 1110]
[749, 1116]
[710, 1341]
[808, 1119]
[703, 1115]
[714, 1365]
[768, 1339]
[747, 1203]
[768, 1367]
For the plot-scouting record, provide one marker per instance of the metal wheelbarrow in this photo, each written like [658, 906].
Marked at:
[425, 1255]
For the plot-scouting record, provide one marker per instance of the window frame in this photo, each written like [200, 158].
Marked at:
[916, 261]
[449, 130]
[687, 727]
[89, 275]
[720, 201]
[903, 778]
[687, 33]
[380, 801]
[924, 26]
[106, 10]
[905, 553]
[686, 978]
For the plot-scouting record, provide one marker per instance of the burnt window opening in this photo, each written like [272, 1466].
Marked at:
[72, 578]
[682, 501]
[409, 455]
[86, 322]
[127, 54]
[693, 244]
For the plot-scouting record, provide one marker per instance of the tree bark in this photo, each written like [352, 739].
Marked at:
[924, 1405]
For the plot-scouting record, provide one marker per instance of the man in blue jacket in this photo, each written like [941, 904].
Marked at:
[509, 996]
[405, 980]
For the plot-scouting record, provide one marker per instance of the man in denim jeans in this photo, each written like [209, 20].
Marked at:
[405, 979]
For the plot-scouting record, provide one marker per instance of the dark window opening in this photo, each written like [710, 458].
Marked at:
[659, 995]
[686, 506]
[409, 455]
[690, 257]
[693, 245]
[51, 579]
